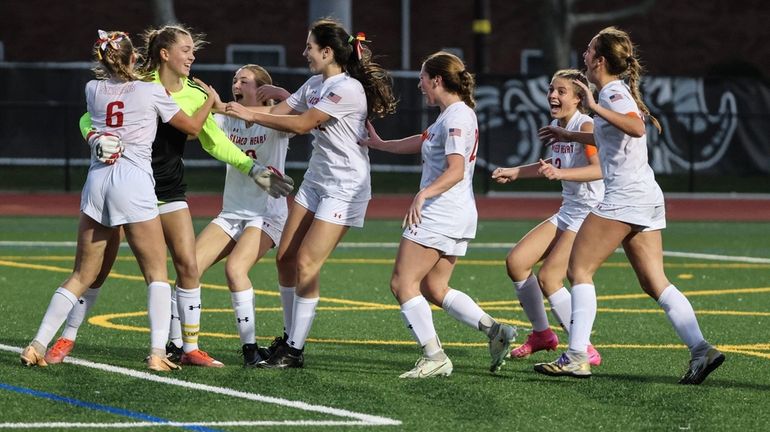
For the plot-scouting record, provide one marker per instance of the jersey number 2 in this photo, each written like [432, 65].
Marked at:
[114, 115]
[475, 148]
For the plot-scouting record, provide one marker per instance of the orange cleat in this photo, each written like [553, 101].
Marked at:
[200, 358]
[59, 350]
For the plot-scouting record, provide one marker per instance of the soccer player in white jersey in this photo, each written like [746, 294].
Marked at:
[333, 106]
[251, 221]
[577, 166]
[119, 192]
[631, 214]
[441, 220]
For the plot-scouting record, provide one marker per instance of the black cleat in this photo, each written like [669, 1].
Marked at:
[702, 366]
[284, 357]
[174, 353]
[278, 341]
[252, 355]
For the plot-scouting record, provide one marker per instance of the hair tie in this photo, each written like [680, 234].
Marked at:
[356, 42]
[105, 39]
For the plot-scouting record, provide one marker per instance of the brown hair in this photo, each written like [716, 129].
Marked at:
[114, 59]
[377, 82]
[163, 38]
[452, 71]
[574, 75]
[616, 47]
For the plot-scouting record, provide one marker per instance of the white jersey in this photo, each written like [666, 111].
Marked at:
[129, 110]
[628, 178]
[453, 213]
[242, 198]
[575, 155]
[338, 165]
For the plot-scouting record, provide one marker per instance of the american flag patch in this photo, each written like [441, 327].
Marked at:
[455, 132]
[616, 97]
[334, 97]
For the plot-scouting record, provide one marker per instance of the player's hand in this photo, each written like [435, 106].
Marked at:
[266, 92]
[588, 101]
[549, 171]
[505, 175]
[413, 216]
[551, 134]
[234, 109]
[374, 141]
[105, 147]
[272, 181]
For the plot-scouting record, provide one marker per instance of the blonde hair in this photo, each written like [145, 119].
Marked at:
[114, 62]
[616, 47]
[163, 38]
[574, 75]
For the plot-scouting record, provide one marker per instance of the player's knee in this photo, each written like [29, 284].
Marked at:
[516, 271]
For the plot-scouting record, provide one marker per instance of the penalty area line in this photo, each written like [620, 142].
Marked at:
[359, 418]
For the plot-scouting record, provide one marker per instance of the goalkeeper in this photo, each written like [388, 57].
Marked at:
[169, 52]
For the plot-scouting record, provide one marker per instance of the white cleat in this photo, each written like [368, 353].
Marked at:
[427, 368]
[500, 345]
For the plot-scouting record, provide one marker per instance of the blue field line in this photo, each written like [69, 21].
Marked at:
[98, 407]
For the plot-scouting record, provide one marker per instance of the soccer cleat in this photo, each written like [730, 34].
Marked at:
[499, 344]
[59, 350]
[161, 364]
[278, 341]
[563, 366]
[173, 352]
[252, 355]
[30, 357]
[284, 357]
[536, 341]
[199, 358]
[594, 358]
[427, 368]
[702, 366]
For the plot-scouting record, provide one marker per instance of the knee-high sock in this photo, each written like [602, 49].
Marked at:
[303, 315]
[583, 315]
[561, 307]
[682, 316]
[78, 313]
[60, 306]
[287, 304]
[188, 301]
[158, 311]
[462, 308]
[531, 300]
[175, 329]
[419, 320]
[243, 305]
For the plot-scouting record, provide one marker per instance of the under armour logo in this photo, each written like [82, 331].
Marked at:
[191, 307]
[410, 327]
[81, 301]
[291, 343]
[243, 319]
[173, 317]
[338, 215]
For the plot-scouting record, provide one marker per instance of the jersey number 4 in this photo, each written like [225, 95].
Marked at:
[114, 114]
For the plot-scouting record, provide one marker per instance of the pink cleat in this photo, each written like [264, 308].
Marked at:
[594, 358]
[59, 350]
[537, 341]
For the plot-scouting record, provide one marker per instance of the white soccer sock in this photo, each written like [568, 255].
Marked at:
[79, 313]
[682, 316]
[531, 300]
[303, 315]
[561, 307]
[419, 320]
[287, 304]
[60, 306]
[462, 308]
[175, 329]
[158, 307]
[583, 315]
[243, 305]
[188, 302]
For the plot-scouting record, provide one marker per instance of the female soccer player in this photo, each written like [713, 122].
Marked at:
[169, 52]
[577, 166]
[251, 221]
[441, 220]
[631, 214]
[333, 106]
[121, 194]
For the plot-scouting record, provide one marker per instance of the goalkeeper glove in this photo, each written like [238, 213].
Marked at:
[105, 146]
[271, 180]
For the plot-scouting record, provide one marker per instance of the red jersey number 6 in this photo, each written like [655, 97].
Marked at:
[114, 115]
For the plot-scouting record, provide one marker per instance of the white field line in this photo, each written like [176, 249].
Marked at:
[394, 245]
[126, 425]
[360, 419]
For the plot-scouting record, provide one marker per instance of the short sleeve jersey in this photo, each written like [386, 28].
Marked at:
[130, 110]
[628, 177]
[575, 155]
[338, 165]
[452, 213]
[242, 198]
